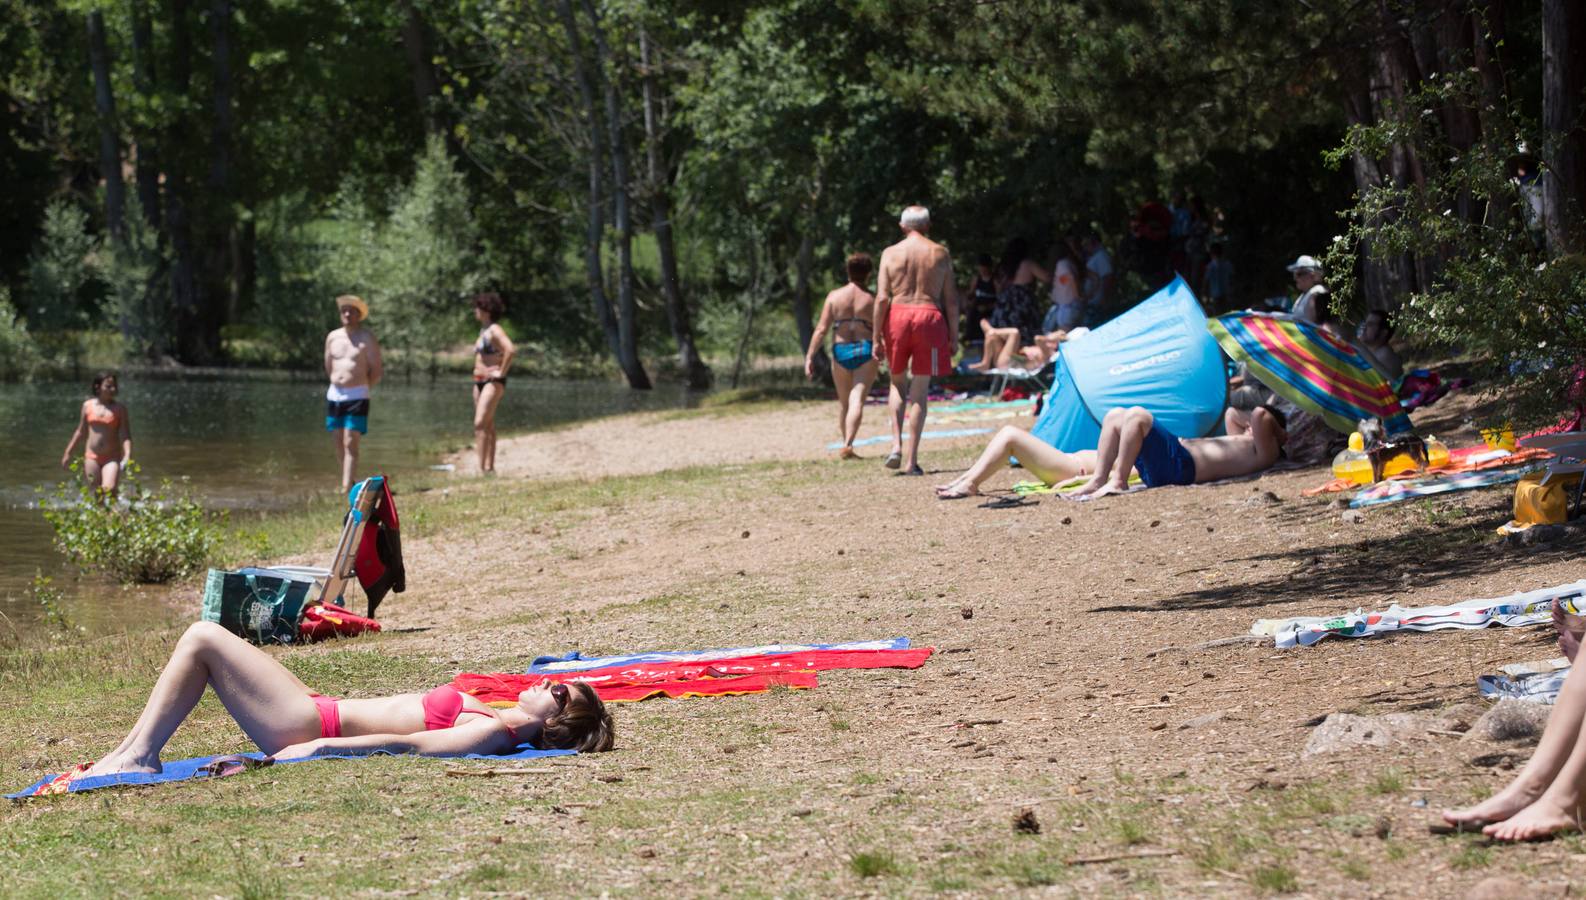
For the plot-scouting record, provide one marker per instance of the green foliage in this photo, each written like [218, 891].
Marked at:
[151, 536]
[49, 598]
[61, 269]
[416, 265]
[20, 356]
[1495, 296]
[874, 864]
[131, 271]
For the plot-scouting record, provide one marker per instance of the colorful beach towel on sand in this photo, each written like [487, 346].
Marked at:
[698, 673]
[1479, 458]
[924, 436]
[1515, 610]
[1395, 490]
[201, 767]
[577, 662]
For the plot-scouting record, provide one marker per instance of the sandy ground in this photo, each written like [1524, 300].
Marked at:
[1070, 628]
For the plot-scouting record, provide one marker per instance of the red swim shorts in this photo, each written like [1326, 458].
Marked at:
[917, 340]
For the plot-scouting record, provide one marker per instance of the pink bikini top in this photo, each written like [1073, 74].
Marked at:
[443, 705]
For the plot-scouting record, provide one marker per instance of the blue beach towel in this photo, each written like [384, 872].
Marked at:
[185, 769]
[925, 436]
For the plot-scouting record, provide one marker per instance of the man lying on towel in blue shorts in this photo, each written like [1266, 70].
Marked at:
[1131, 439]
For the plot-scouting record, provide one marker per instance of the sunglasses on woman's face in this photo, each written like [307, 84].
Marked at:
[560, 693]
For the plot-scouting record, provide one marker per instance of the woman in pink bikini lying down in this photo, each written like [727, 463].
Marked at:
[287, 720]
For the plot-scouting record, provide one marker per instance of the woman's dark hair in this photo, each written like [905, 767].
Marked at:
[584, 724]
[1018, 251]
[985, 259]
[1387, 321]
[859, 266]
[101, 378]
[490, 302]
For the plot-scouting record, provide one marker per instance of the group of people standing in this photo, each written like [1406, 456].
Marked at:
[910, 320]
[353, 365]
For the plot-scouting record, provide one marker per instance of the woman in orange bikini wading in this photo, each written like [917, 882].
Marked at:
[109, 433]
[492, 355]
[288, 721]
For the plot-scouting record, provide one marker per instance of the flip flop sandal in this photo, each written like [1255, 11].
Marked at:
[1006, 502]
[954, 495]
[893, 460]
[913, 472]
[222, 766]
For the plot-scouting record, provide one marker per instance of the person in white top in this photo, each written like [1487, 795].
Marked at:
[1068, 308]
[1312, 304]
[1099, 278]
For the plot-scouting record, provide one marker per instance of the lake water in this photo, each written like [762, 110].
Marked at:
[253, 443]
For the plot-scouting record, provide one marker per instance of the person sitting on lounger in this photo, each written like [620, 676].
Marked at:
[1546, 798]
[287, 720]
[1039, 458]
[1132, 439]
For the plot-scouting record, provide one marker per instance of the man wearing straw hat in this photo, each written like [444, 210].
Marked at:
[352, 362]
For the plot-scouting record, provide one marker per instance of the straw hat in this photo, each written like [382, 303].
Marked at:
[355, 302]
[1306, 262]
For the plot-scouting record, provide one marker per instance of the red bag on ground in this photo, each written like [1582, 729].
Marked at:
[327, 620]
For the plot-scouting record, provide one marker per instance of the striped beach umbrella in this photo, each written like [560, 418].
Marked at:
[1310, 368]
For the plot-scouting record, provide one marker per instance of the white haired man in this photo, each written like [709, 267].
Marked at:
[916, 318]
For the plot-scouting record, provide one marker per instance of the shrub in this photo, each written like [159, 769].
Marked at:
[149, 537]
[20, 357]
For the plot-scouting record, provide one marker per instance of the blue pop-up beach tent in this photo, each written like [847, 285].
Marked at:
[1158, 355]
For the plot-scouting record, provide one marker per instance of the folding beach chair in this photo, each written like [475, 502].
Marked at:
[360, 502]
[1041, 378]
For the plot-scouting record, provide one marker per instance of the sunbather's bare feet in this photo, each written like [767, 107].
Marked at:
[1542, 819]
[1498, 807]
[1096, 483]
[1111, 487]
[956, 490]
[115, 764]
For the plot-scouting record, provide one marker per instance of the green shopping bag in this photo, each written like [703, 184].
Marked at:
[263, 606]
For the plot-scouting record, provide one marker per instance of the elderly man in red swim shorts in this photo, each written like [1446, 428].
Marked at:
[916, 317]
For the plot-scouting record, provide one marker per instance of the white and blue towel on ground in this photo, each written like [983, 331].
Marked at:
[1526, 608]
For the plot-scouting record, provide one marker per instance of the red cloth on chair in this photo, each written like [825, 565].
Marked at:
[327, 620]
[378, 561]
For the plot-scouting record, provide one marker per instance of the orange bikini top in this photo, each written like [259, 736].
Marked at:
[100, 414]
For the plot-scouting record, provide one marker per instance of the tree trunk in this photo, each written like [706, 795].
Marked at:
[595, 227]
[185, 288]
[416, 42]
[1563, 83]
[696, 374]
[109, 143]
[627, 304]
[219, 216]
[143, 77]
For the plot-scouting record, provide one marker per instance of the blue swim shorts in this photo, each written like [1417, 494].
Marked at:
[351, 415]
[1163, 460]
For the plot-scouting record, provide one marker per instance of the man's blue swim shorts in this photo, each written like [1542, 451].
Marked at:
[1164, 460]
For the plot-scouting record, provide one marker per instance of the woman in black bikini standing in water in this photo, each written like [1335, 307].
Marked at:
[849, 313]
[492, 356]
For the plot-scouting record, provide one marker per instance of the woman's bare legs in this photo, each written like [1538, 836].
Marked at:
[486, 399]
[1557, 763]
[995, 347]
[272, 706]
[1044, 461]
[852, 388]
[1010, 345]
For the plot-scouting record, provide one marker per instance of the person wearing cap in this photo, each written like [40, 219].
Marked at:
[1312, 304]
[916, 318]
[353, 365]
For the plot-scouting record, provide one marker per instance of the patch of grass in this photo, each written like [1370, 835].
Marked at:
[874, 864]
[1471, 855]
[1388, 781]
[1395, 851]
[485, 873]
[255, 885]
[1131, 831]
[866, 778]
[1355, 869]
[841, 725]
[1274, 879]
